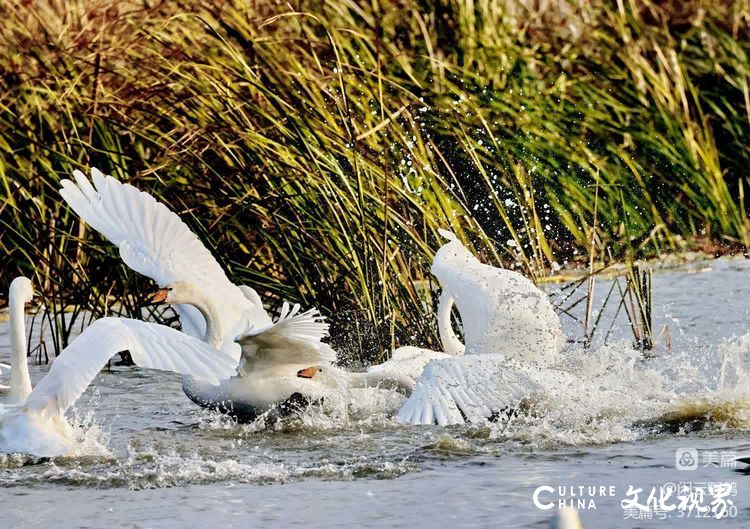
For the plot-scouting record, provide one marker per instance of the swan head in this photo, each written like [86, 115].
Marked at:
[450, 255]
[177, 293]
[22, 289]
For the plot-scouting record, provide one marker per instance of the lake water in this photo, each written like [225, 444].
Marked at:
[148, 458]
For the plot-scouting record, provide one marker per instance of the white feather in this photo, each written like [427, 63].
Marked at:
[294, 338]
[406, 362]
[155, 242]
[150, 345]
[474, 387]
[502, 312]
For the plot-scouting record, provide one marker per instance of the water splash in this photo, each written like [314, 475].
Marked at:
[613, 394]
[92, 439]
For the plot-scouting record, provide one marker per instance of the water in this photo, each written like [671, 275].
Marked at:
[147, 457]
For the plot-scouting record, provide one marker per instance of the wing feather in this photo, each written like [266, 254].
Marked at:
[155, 242]
[406, 362]
[294, 338]
[150, 345]
[465, 388]
[309, 325]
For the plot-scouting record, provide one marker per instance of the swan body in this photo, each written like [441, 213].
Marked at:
[33, 420]
[502, 311]
[273, 356]
[281, 360]
[510, 327]
[33, 433]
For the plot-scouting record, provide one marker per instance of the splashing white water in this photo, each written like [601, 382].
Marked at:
[92, 440]
[613, 394]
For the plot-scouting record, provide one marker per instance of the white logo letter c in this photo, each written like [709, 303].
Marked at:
[535, 497]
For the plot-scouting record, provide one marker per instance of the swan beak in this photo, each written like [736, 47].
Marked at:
[308, 372]
[160, 296]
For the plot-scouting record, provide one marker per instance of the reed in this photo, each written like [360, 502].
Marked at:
[318, 146]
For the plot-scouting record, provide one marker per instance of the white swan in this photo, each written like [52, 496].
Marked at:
[502, 311]
[509, 325]
[33, 421]
[284, 360]
[155, 242]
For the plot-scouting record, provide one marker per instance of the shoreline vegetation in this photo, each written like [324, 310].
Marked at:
[316, 147]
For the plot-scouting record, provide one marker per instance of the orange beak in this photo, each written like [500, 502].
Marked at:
[160, 296]
[308, 372]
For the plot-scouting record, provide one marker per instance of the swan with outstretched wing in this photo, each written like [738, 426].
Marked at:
[509, 325]
[32, 420]
[155, 242]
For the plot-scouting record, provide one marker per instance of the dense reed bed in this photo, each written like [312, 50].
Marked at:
[317, 146]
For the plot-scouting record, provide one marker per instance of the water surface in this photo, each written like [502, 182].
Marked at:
[147, 457]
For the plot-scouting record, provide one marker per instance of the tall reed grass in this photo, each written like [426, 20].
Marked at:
[317, 146]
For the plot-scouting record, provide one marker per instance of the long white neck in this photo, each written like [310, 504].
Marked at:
[451, 344]
[214, 329]
[20, 382]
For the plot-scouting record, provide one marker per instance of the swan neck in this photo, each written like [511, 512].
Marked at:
[214, 330]
[451, 343]
[20, 382]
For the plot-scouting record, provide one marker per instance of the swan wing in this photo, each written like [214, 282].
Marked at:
[294, 338]
[465, 389]
[150, 345]
[155, 242]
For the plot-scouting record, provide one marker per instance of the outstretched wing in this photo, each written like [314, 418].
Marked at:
[294, 338]
[150, 345]
[155, 242]
[465, 389]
